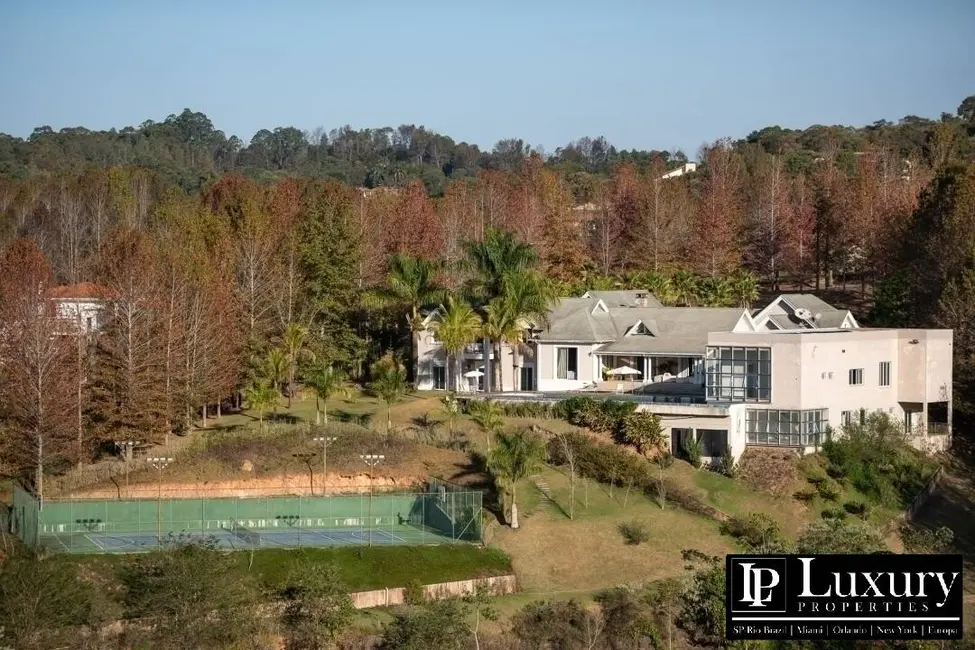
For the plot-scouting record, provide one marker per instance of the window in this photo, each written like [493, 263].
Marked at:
[567, 363]
[853, 417]
[885, 373]
[527, 378]
[439, 378]
[713, 442]
[856, 376]
[739, 374]
[786, 428]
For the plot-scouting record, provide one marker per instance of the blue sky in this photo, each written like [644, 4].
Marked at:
[645, 74]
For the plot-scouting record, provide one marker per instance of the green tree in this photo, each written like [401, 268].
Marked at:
[515, 457]
[438, 625]
[661, 288]
[293, 344]
[502, 267]
[274, 368]
[260, 396]
[489, 415]
[835, 536]
[411, 285]
[456, 327]
[715, 292]
[195, 594]
[643, 431]
[744, 288]
[389, 383]
[685, 286]
[331, 254]
[327, 382]
[525, 303]
[317, 606]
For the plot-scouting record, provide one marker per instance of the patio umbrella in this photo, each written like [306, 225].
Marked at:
[474, 373]
[624, 371]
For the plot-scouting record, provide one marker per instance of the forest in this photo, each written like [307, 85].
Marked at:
[227, 263]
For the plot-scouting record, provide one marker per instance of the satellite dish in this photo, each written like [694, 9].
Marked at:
[803, 313]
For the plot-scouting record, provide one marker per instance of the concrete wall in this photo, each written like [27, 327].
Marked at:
[497, 586]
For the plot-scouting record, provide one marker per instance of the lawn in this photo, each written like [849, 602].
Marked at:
[554, 556]
[362, 569]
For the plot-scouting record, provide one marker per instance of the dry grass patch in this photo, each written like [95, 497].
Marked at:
[769, 470]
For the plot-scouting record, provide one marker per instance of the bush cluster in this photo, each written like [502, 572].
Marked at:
[873, 458]
[755, 531]
[635, 532]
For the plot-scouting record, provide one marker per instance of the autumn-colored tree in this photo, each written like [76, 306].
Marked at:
[255, 236]
[129, 362]
[716, 238]
[417, 230]
[769, 219]
[563, 249]
[658, 225]
[35, 354]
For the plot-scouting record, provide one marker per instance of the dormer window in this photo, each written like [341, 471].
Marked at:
[639, 330]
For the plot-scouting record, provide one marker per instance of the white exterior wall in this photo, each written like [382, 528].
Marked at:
[78, 310]
[811, 369]
[546, 371]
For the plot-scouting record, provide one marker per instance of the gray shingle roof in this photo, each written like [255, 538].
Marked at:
[625, 298]
[673, 329]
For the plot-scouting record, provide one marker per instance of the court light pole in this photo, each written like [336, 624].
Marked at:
[372, 460]
[326, 441]
[160, 464]
[126, 447]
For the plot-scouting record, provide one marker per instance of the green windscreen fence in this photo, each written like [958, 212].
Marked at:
[443, 514]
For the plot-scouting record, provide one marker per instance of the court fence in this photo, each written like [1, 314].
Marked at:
[444, 513]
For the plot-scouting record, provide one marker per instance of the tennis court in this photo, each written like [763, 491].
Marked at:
[141, 542]
[443, 514]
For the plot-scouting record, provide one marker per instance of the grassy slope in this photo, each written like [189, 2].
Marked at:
[361, 568]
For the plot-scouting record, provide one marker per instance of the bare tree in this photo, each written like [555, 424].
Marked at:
[571, 461]
[36, 358]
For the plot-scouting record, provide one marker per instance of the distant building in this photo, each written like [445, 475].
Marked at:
[81, 306]
[686, 168]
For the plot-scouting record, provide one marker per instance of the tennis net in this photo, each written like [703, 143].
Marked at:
[249, 536]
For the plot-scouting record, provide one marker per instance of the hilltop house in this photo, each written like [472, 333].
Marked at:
[728, 377]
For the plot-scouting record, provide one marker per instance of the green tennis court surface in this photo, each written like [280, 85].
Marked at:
[94, 542]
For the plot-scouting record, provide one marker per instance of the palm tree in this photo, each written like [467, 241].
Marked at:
[489, 415]
[526, 301]
[684, 285]
[500, 326]
[516, 456]
[327, 381]
[490, 261]
[389, 383]
[261, 395]
[411, 284]
[660, 287]
[458, 326]
[744, 288]
[715, 292]
[273, 369]
[450, 408]
[293, 342]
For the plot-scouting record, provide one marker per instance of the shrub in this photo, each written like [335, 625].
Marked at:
[692, 452]
[635, 532]
[857, 508]
[643, 431]
[413, 593]
[829, 490]
[816, 480]
[806, 496]
[833, 513]
[755, 530]
[728, 466]
[665, 460]
[923, 540]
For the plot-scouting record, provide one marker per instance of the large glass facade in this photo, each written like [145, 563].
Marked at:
[739, 374]
[786, 428]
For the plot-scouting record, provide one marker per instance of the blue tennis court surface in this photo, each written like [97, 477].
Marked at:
[96, 542]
